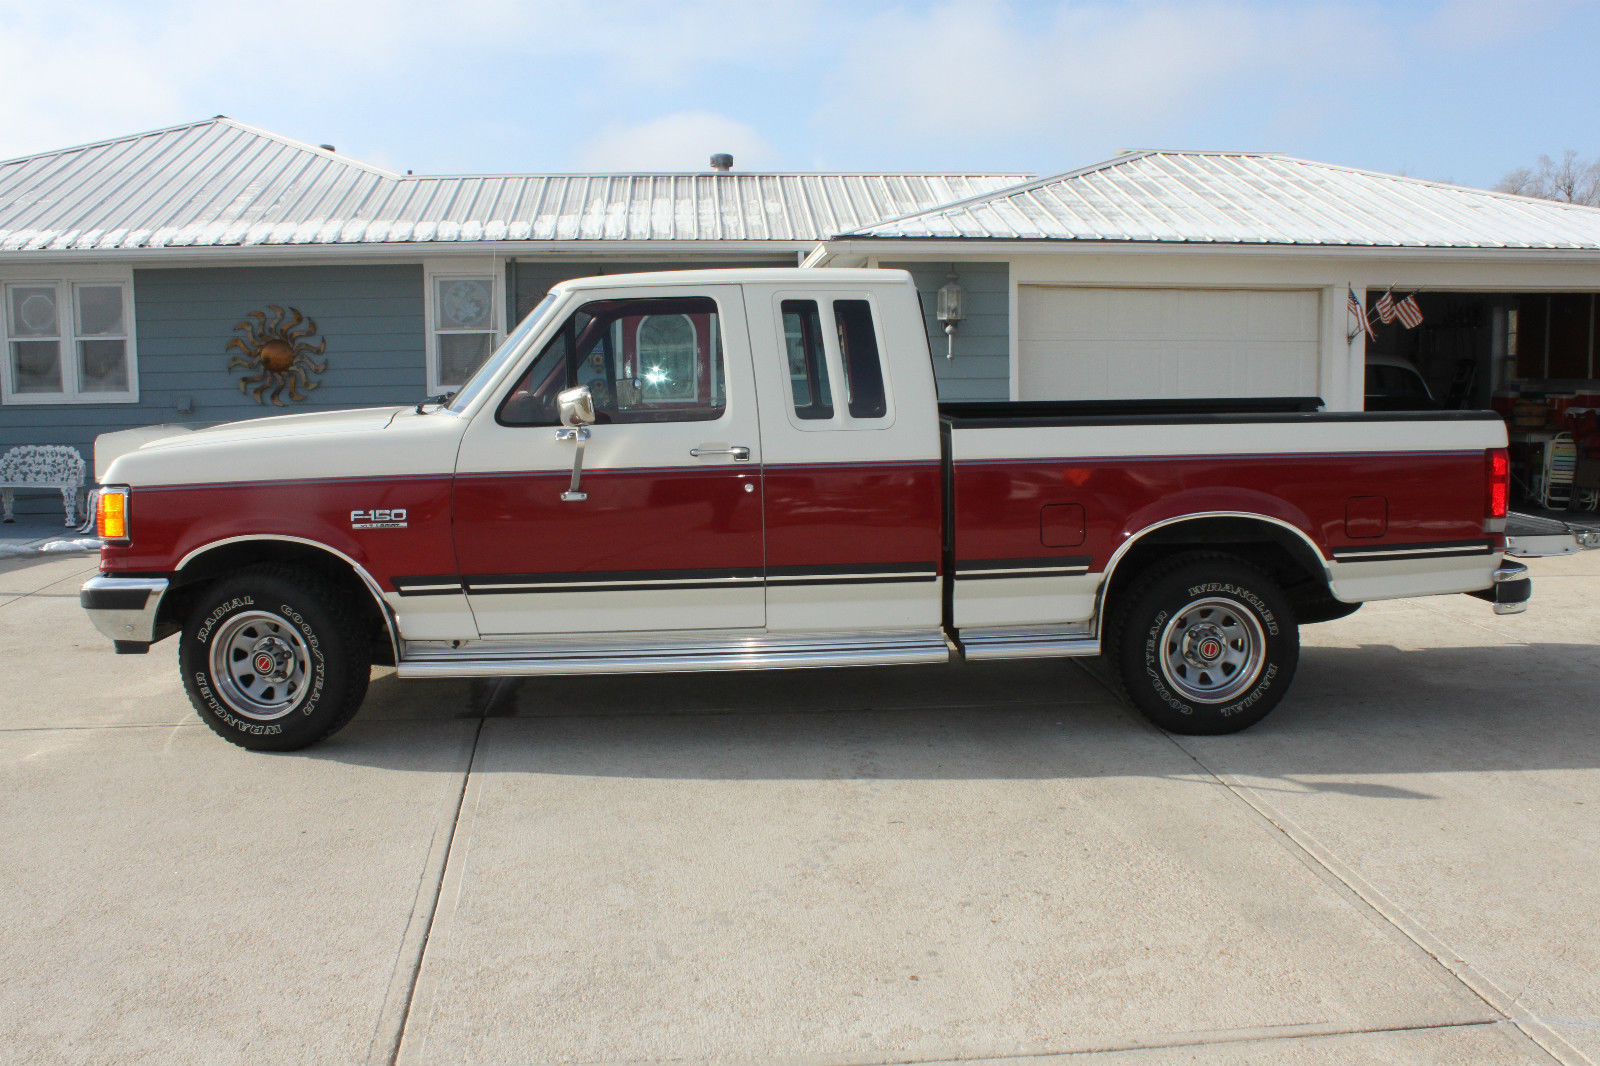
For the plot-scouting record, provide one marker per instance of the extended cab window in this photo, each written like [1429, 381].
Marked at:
[808, 364]
[858, 347]
[826, 341]
[652, 360]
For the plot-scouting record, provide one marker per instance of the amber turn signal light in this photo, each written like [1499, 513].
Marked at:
[111, 514]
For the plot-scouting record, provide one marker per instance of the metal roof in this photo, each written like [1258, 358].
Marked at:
[222, 183]
[1237, 198]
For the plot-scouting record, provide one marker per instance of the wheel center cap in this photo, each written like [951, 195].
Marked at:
[1203, 645]
[273, 660]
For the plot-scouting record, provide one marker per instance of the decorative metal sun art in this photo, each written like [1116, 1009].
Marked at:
[279, 352]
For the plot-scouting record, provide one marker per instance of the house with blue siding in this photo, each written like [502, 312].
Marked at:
[215, 271]
[161, 278]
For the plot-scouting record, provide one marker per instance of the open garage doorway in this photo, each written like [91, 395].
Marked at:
[1471, 347]
[1532, 356]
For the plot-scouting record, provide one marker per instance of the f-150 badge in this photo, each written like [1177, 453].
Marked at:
[378, 519]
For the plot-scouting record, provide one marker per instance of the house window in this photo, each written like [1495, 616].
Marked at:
[667, 366]
[68, 341]
[463, 324]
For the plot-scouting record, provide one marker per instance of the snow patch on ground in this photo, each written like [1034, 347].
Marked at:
[58, 545]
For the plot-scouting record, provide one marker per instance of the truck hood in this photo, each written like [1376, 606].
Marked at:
[375, 441]
[309, 424]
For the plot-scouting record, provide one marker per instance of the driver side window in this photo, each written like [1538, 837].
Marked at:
[645, 360]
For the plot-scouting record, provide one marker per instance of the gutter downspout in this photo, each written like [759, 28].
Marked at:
[819, 256]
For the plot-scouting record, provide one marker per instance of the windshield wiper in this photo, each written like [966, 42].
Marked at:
[441, 399]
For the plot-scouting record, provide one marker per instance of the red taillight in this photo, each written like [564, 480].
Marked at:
[1498, 482]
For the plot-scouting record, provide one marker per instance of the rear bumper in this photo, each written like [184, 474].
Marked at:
[1511, 589]
[124, 609]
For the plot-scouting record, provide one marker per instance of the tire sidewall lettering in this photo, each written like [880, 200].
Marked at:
[317, 668]
[319, 665]
[218, 613]
[1269, 622]
[1256, 694]
[1243, 595]
[1152, 669]
[202, 681]
[1142, 659]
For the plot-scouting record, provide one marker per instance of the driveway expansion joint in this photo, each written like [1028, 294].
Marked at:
[1384, 911]
[389, 1031]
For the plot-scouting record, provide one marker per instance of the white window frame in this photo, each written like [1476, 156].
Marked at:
[437, 270]
[67, 282]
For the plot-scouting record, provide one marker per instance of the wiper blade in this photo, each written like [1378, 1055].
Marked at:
[439, 400]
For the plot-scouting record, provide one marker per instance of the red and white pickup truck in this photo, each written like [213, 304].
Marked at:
[749, 469]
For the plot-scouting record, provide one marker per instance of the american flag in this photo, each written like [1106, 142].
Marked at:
[1408, 312]
[1386, 310]
[1361, 314]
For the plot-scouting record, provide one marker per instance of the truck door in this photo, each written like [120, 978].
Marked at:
[853, 483]
[664, 530]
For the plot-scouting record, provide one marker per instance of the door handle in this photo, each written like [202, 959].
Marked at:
[739, 452]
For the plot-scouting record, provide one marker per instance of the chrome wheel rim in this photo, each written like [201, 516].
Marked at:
[1212, 650]
[259, 665]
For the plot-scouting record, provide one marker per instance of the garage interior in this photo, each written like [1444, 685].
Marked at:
[1532, 356]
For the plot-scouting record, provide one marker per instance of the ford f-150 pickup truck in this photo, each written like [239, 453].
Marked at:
[750, 469]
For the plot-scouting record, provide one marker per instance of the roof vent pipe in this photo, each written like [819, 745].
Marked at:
[722, 162]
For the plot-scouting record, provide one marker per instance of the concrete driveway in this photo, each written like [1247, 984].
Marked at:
[1401, 864]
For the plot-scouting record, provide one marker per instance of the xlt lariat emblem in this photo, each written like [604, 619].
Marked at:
[379, 519]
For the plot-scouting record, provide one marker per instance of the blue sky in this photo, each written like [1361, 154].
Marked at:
[1456, 90]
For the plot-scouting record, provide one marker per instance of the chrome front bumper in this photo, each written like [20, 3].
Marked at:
[1511, 589]
[124, 609]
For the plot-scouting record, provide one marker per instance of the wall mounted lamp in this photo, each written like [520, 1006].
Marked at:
[951, 310]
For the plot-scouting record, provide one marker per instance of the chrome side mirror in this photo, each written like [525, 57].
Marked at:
[576, 406]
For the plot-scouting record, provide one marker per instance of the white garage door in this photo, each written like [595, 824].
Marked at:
[1097, 344]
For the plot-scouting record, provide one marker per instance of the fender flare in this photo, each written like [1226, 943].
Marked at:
[384, 610]
[1127, 545]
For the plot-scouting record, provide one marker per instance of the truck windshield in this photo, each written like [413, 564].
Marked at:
[502, 355]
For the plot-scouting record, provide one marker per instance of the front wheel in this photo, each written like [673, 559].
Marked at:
[1204, 644]
[273, 659]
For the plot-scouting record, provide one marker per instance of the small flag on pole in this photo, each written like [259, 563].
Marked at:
[1408, 312]
[1386, 310]
[1361, 314]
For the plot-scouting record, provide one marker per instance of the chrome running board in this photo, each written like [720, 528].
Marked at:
[1028, 642]
[647, 654]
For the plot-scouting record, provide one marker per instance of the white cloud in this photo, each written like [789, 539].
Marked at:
[970, 69]
[682, 141]
[104, 68]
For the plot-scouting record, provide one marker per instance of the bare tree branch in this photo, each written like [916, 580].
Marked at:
[1572, 180]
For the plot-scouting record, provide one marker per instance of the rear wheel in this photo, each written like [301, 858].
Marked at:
[1204, 644]
[274, 659]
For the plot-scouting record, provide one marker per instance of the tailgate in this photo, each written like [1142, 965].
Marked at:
[1531, 536]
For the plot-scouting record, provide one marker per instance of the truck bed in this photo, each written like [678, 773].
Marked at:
[1046, 498]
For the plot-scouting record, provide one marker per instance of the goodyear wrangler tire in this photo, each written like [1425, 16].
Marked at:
[1205, 644]
[273, 659]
